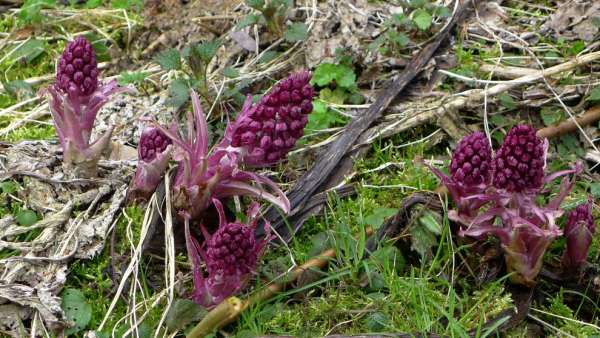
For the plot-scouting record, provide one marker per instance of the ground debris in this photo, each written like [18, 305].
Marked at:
[77, 215]
[574, 20]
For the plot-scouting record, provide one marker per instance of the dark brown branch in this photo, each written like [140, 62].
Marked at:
[589, 117]
[313, 180]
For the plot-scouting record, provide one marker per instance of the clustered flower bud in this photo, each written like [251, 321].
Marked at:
[75, 98]
[505, 187]
[269, 129]
[231, 254]
[153, 159]
[520, 161]
[152, 142]
[77, 71]
[579, 231]
[232, 250]
[471, 161]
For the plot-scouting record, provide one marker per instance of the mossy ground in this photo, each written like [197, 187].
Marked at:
[352, 295]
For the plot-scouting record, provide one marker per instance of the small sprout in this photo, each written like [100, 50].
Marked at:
[579, 232]
[154, 153]
[75, 99]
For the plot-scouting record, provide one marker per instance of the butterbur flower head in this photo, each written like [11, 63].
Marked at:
[269, 129]
[75, 99]
[471, 161]
[154, 153]
[231, 254]
[77, 71]
[520, 162]
[470, 172]
[579, 231]
[232, 249]
[152, 143]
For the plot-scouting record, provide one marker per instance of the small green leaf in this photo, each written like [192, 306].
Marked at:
[343, 75]
[551, 115]
[268, 56]
[30, 11]
[91, 4]
[336, 96]
[442, 11]
[248, 20]
[296, 32]
[377, 322]
[256, 4]
[182, 313]
[324, 74]
[378, 216]
[594, 95]
[169, 60]
[8, 187]
[422, 19]
[136, 78]
[179, 92]
[576, 47]
[127, 4]
[507, 101]
[26, 217]
[388, 258]
[595, 189]
[207, 50]
[231, 72]
[76, 309]
[321, 117]
[29, 50]
[431, 222]
[18, 88]
[320, 242]
[498, 120]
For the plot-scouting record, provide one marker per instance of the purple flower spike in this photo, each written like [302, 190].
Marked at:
[154, 153]
[77, 68]
[579, 232]
[267, 131]
[520, 162]
[470, 171]
[471, 161]
[231, 254]
[75, 99]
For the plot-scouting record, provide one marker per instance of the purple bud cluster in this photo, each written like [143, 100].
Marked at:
[152, 142]
[77, 71]
[471, 161]
[579, 231]
[520, 161]
[506, 187]
[272, 127]
[232, 250]
[582, 215]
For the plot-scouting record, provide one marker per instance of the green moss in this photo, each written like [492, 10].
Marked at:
[31, 132]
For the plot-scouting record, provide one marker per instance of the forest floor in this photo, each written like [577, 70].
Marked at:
[504, 63]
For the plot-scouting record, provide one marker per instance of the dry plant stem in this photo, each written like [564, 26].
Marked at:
[590, 116]
[232, 307]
